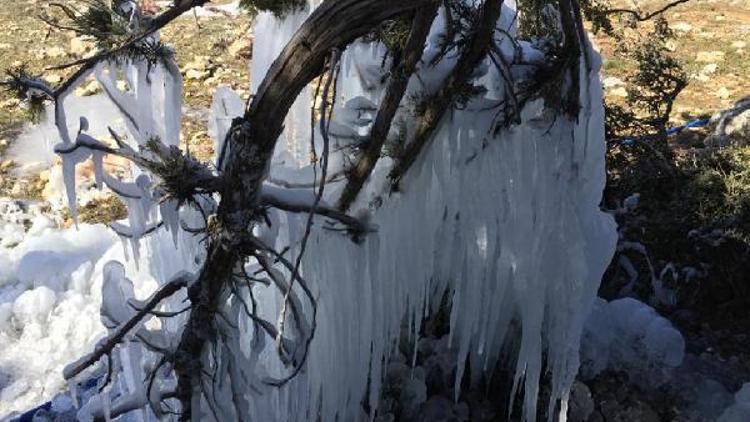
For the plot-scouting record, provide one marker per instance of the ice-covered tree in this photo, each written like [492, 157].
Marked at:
[391, 151]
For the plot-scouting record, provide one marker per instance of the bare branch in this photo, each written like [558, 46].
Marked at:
[642, 18]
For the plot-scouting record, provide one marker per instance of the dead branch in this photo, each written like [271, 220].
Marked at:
[642, 18]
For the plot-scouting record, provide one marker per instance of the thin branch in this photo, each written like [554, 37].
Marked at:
[353, 224]
[394, 93]
[180, 7]
[105, 347]
[642, 18]
[334, 62]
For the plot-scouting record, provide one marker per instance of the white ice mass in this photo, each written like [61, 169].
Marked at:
[508, 221]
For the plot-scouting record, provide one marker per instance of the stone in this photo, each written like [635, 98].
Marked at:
[54, 52]
[710, 56]
[709, 69]
[731, 126]
[7, 165]
[619, 92]
[53, 78]
[79, 47]
[612, 82]
[88, 89]
[723, 93]
[196, 74]
[738, 45]
[682, 27]
[11, 102]
[240, 48]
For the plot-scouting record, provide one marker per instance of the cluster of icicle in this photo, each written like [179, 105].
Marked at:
[507, 221]
[148, 97]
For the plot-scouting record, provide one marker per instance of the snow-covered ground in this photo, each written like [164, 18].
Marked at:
[50, 287]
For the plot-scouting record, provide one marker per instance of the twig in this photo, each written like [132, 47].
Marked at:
[642, 18]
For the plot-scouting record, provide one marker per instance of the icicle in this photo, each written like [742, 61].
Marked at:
[73, 389]
[106, 404]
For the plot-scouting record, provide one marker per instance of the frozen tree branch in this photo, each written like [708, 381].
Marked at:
[440, 103]
[106, 346]
[296, 201]
[395, 91]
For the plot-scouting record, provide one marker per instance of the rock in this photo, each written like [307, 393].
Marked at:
[731, 126]
[738, 45]
[17, 189]
[7, 165]
[581, 405]
[54, 52]
[12, 102]
[53, 78]
[87, 90]
[710, 56]
[241, 48]
[196, 74]
[79, 47]
[682, 27]
[612, 82]
[723, 93]
[709, 69]
[619, 92]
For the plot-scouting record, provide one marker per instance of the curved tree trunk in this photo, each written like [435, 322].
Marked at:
[251, 142]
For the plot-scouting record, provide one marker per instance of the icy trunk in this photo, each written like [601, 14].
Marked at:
[509, 221]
